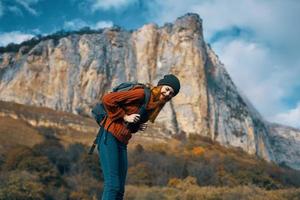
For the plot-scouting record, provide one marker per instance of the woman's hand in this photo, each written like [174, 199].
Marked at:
[143, 126]
[133, 118]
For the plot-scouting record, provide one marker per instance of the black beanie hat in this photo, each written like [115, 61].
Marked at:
[171, 81]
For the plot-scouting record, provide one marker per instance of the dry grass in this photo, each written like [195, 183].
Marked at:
[34, 112]
[219, 164]
[17, 132]
[208, 193]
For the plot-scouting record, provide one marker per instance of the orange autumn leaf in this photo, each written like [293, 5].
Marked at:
[197, 151]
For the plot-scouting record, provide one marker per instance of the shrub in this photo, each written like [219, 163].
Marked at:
[15, 156]
[55, 152]
[173, 182]
[84, 187]
[139, 149]
[41, 166]
[87, 165]
[21, 185]
[198, 151]
[141, 174]
[74, 151]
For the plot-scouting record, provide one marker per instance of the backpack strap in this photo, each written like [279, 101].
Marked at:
[125, 86]
[97, 137]
[143, 110]
[147, 98]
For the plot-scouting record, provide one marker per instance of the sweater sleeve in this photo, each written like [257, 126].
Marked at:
[115, 102]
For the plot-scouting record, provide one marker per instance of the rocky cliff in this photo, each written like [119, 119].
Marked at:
[71, 74]
[285, 143]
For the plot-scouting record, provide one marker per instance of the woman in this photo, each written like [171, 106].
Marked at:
[122, 109]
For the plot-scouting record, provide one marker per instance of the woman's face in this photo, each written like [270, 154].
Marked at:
[166, 93]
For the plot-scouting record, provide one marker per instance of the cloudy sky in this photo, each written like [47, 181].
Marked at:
[257, 40]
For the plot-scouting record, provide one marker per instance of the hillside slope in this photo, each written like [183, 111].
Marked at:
[44, 151]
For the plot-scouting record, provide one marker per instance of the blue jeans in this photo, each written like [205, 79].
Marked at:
[113, 161]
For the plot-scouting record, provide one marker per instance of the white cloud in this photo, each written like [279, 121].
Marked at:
[77, 24]
[18, 6]
[265, 17]
[263, 80]
[103, 24]
[264, 65]
[27, 5]
[110, 4]
[264, 75]
[291, 117]
[14, 37]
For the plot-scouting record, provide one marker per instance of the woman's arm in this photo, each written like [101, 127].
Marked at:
[115, 102]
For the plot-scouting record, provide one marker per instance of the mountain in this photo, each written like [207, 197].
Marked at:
[285, 143]
[73, 72]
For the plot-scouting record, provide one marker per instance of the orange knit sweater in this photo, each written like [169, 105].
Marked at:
[117, 104]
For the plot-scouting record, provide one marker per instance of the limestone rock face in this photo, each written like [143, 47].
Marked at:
[285, 145]
[233, 120]
[73, 73]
